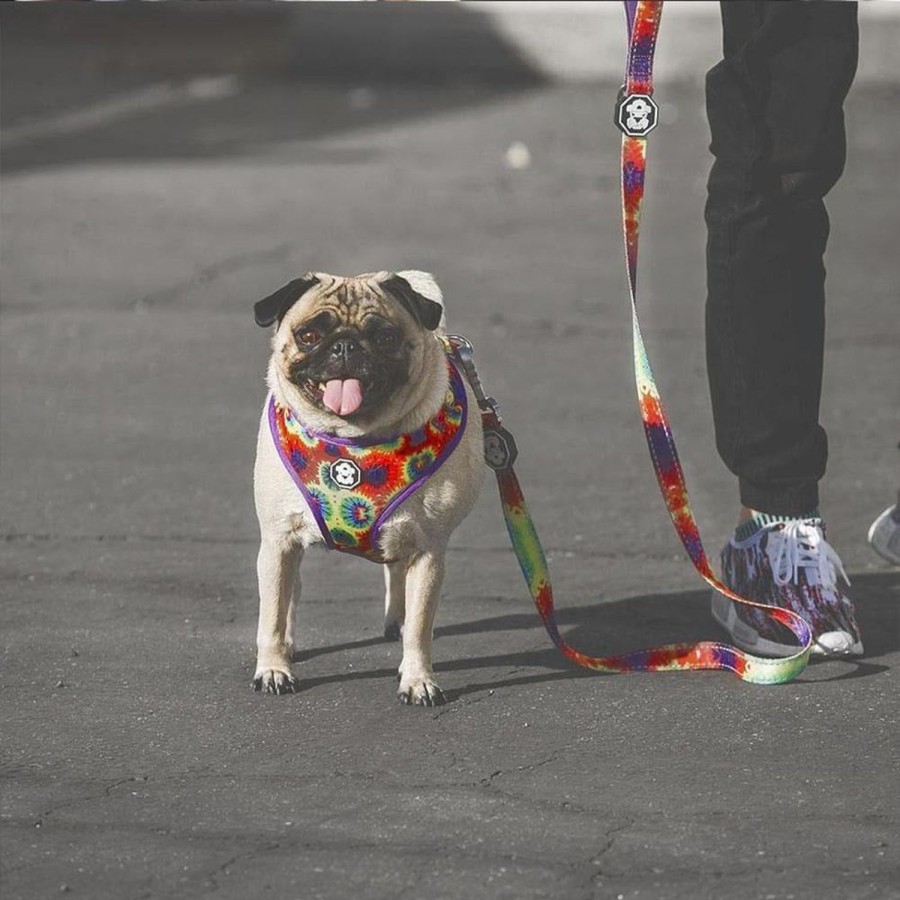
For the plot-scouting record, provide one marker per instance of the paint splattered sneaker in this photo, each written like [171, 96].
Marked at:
[788, 563]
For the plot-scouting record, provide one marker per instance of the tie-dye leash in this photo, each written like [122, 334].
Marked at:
[636, 115]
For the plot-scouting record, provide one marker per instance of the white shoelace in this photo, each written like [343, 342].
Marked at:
[797, 545]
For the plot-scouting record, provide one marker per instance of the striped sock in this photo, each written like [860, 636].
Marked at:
[760, 520]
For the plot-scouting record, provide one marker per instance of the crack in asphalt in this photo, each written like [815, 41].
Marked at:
[489, 780]
[598, 860]
[226, 266]
[41, 817]
[212, 878]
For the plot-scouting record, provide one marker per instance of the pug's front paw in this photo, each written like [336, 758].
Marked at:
[275, 681]
[420, 691]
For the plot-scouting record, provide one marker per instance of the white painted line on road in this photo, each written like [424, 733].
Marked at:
[147, 99]
[584, 40]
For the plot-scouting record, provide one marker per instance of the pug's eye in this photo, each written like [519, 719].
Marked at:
[387, 339]
[308, 337]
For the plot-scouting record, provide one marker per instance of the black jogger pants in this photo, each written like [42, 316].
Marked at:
[774, 105]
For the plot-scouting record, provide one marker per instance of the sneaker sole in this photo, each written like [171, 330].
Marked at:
[749, 639]
[884, 537]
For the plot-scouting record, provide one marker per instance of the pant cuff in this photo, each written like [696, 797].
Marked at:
[793, 500]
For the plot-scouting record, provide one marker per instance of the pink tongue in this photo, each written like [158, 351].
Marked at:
[343, 397]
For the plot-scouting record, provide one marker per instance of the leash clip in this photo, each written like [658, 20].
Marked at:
[465, 353]
[500, 450]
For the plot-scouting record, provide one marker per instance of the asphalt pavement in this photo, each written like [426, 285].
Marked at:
[164, 166]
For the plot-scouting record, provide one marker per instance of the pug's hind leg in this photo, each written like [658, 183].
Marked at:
[424, 579]
[277, 569]
[394, 599]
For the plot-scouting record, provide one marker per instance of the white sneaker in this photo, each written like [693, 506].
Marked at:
[884, 535]
[786, 563]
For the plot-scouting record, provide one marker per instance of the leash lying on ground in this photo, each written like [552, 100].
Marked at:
[636, 115]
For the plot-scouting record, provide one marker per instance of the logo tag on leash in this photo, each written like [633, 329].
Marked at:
[636, 115]
[500, 449]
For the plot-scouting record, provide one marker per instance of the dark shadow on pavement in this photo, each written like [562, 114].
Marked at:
[613, 628]
[305, 655]
[299, 72]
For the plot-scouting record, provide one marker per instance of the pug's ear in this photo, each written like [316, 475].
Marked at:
[419, 294]
[272, 308]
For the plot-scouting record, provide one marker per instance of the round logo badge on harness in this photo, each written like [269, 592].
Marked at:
[345, 473]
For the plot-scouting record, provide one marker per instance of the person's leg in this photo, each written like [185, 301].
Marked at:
[775, 112]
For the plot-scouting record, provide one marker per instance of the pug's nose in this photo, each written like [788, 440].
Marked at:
[344, 348]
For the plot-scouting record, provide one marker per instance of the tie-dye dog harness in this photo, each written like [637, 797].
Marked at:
[353, 484]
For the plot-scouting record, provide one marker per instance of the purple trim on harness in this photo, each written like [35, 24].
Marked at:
[313, 507]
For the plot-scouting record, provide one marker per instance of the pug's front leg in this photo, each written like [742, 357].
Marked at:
[394, 599]
[277, 569]
[424, 579]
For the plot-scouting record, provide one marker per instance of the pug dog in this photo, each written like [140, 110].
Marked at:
[358, 367]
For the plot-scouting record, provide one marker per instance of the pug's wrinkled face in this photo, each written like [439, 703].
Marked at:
[349, 345]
